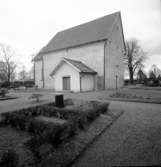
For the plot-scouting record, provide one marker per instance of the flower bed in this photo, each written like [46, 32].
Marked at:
[125, 95]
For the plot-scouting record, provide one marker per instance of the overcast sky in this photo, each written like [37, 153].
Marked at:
[27, 25]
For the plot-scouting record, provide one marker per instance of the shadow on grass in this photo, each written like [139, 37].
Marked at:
[7, 98]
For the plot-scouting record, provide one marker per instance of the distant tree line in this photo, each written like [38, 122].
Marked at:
[9, 77]
[134, 59]
[153, 78]
[17, 84]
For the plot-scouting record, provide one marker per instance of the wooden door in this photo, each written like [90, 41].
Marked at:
[66, 83]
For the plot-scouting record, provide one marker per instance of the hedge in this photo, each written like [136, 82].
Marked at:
[9, 159]
[47, 132]
[15, 119]
[23, 119]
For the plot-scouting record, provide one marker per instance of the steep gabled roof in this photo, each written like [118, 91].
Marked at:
[93, 31]
[82, 67]
[77, 65]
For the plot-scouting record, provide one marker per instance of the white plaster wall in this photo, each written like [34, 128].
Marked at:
[87, 82]
[50, 62]
[114, 57]
[91, 55]
[38, 74]
[66, 70]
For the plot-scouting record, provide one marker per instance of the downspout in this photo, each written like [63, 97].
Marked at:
[43, 82]
[104, 70]
[80, 79]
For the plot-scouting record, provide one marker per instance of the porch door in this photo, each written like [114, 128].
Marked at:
[66, 83]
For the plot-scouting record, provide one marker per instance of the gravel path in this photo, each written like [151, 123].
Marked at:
[133, 140]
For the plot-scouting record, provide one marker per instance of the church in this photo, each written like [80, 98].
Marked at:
[86, 57]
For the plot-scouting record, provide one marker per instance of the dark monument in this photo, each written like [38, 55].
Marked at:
[59, 101]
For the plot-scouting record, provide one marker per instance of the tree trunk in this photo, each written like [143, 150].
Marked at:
[8, 79]
[131, 76]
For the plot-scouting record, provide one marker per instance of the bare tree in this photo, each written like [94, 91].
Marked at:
[141, 76]
[155, 70]
[2, 77]
[2, 74]
[6, 56]
[152, 76]
[134, 57]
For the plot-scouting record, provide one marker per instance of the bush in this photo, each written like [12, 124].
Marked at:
[9, 159]
[73, 125]
[3, 92]
[77, 117]
[50, 132]
[33, 145]
[82, 122]
[35, 127]
[16, 84]
[92, 115]
[15, 119]
[45, 150]
[56, 136]
[5, 84]
[39, 148]
[29, 83]
[102, 108]
[36, 121]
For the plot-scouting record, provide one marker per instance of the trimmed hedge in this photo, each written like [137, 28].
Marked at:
[15, 119]
[77, 117]
[49, 129]
[33, 145]
[9, 159]
[50, 133]
[3, 92]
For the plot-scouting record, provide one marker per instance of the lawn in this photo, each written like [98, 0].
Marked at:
[23, 100]
[124, 94]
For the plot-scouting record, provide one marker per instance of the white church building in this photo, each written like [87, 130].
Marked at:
[83, 58]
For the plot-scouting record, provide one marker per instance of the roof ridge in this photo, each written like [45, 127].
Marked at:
[115, 13]
[96, 30]
[72, 60]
